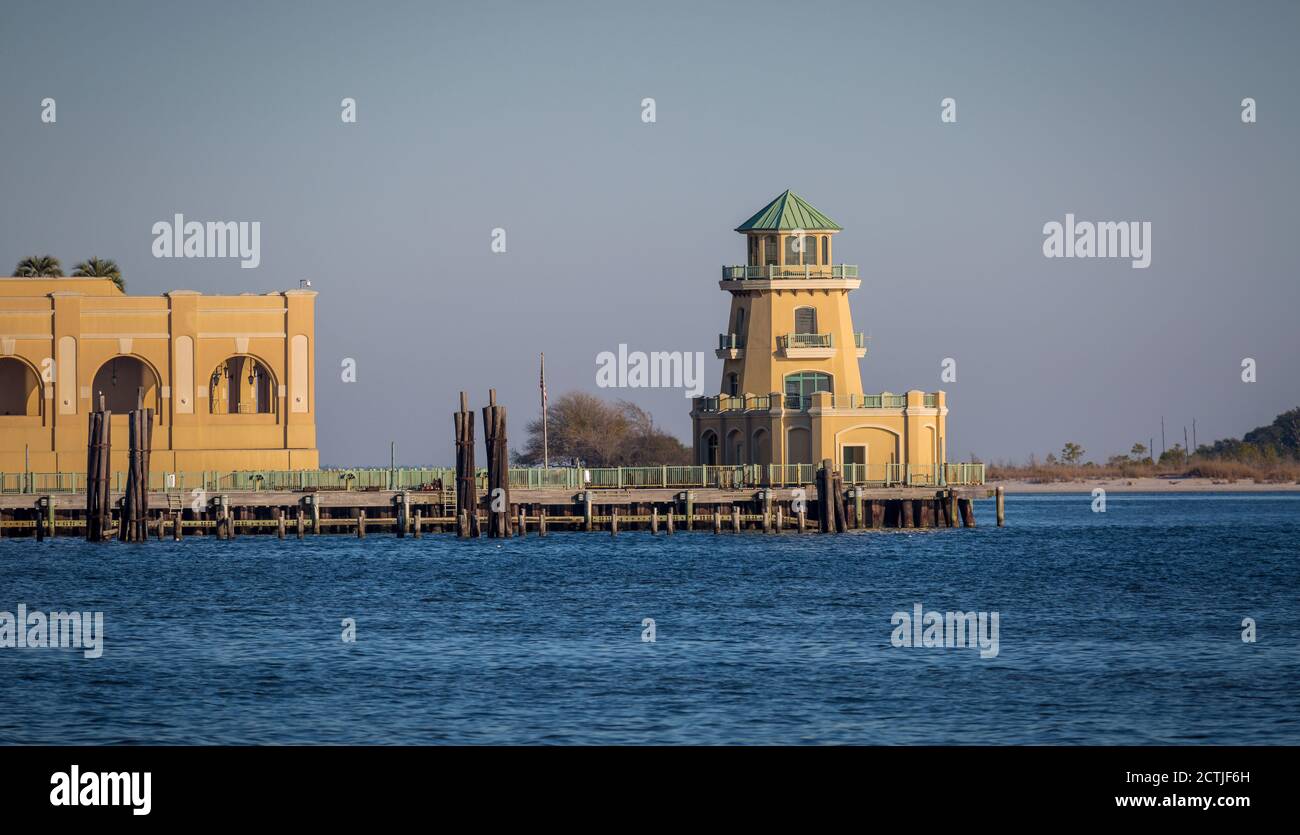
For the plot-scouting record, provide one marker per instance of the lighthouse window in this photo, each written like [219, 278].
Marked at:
[805, 320]
[826, 249]
[753, 250]
[799, 388]
[770, 250]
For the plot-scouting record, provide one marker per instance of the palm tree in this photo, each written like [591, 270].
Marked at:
[96, 267]
[39, 266]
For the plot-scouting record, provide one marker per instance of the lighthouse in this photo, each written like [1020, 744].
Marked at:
[791, 388]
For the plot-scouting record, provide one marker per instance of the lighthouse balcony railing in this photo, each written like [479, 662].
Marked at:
[767, 272]
[804, 340]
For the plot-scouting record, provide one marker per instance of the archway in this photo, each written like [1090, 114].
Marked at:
[709, 448]
[241, 385]
[20, 390]
[120, 381]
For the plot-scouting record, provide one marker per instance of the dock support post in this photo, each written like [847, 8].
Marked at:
[717, 519]
[859, 516]
[690, 510]
[177, 518]
[419, 525]
[541, 521]
[315, 518]
[586, 511]
[361, 524]
[952, 508]
[613, 520]
[735, 518]
[654, 520]
[780, 522]
[803, 519]
[1001, 495]
[967, 512]
[670, 520]
[403, 513]
[523, 521]
[279, 523]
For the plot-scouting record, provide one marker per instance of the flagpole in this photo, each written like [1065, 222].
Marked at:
[546, 456]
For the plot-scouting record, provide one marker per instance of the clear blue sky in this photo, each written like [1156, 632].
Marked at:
[527, 116]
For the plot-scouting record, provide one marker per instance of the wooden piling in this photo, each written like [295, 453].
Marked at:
[466, 488]
[177, 526]
[967, 512]
[419, 525]
[361, 524]
[717, 519]
[780, 522]
[654, 521]
[541, 521]
[498, 467]
[1001, 495]
[670, 520]
[279, 523]
[613, 521]
[735, 519]
[300, 523]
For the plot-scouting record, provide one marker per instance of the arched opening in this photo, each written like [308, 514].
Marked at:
[762, 447]
[709, 448]
[20, 390]
[241, 385]
[735, 447]
[798, 446]
[800, 386]
[121, 381]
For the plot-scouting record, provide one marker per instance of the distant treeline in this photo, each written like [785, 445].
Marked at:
[1279, 441]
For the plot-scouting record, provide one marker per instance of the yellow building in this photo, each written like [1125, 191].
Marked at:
[230, 378]
[791, 390]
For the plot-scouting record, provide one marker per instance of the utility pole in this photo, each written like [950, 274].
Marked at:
[546, 452]
[1187, 451]
[1162, 436]
[1194, 446]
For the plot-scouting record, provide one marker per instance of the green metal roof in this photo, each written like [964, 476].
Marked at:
[788, 211]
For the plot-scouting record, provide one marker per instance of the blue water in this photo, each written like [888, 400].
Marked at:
[1118, 627]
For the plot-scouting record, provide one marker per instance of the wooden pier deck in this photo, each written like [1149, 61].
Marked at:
[297, 513]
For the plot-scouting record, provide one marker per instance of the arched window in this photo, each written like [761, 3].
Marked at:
[121, 380]
[709, 449]
[805, 320]
[20, 391]
[241, 385]
[800, 386]
[733, 383]
[826, 249]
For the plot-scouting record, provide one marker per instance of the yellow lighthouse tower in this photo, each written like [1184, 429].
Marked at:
[791, 390]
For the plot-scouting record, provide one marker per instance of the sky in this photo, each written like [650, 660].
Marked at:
[528, 117]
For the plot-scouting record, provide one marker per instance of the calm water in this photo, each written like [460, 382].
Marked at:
[1122, 627]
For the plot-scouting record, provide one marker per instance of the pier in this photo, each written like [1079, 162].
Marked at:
[414, 502]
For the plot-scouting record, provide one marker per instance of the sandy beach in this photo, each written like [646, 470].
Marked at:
[1146, 485]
